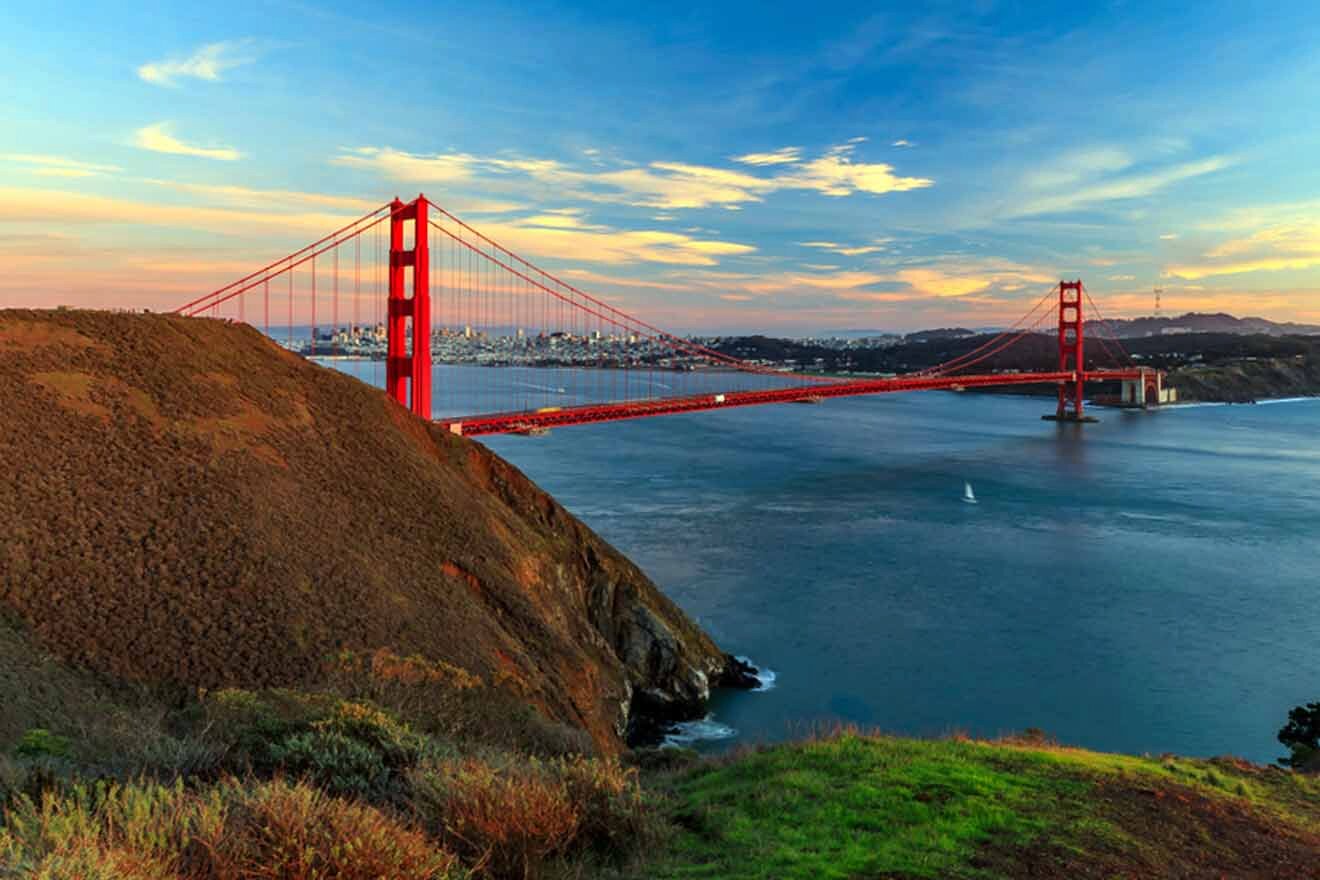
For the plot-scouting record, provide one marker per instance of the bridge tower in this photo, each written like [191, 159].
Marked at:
[408, 368]
[1072, 353]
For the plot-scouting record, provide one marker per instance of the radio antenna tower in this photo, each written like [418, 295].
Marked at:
[1158, 291]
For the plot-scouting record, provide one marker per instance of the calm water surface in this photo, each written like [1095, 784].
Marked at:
[1146, 584]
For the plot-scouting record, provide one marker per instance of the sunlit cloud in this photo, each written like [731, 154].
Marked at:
[586, 276]
[572, 240]
[206, 63]
[46, 165]
[782, 156]
[868, 296]
[398, 165]
[1122, 278]
[948, 279]
[1280, 247]
[158, 139]
[665, 186]
[1168, 236]
[836, 174]
[902, 142]
[933, 282]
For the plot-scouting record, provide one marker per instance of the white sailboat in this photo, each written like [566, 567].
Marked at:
[969, 497]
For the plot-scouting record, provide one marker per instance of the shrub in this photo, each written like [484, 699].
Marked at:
[509, 815]
[1302, 736]
[613, 816]
[445, 700]
[40, 743]
[333, 760]
[506, 823]
[227, 832]
[397, 744]
[349, 747]
[280, 829]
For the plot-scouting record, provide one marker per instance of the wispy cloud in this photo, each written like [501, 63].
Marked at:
[571, 238]
[1091, 178]
[666, 186]
[902, 142]
[1077, 167]
[158, 139]
[264, 198]
[782, 156]
[206, 63]
[47, 165]
[846, 250]
[65, 207]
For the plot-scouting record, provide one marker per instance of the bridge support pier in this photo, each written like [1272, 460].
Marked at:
[1072, 356]
[1147, 391]
[409, 368]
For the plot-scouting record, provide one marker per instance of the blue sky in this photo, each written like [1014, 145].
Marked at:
[759, 166]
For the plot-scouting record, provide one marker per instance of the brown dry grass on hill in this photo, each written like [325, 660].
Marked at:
[184, 502]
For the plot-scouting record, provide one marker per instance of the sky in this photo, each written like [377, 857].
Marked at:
[789, 168]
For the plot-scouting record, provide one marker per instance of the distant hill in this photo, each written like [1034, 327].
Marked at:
[1199, 322]
[185, 503]
[940, 334]
[1228, 366]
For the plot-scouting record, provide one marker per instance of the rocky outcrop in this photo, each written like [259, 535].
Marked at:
[671, 665]
[185, 502]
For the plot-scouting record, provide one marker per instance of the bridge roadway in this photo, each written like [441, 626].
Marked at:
[556, 417]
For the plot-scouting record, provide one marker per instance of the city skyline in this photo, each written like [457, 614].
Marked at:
[729, 170]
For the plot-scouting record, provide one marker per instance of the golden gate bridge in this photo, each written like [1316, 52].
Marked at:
[425, 275]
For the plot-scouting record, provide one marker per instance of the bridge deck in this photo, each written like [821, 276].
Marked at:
[523, 422]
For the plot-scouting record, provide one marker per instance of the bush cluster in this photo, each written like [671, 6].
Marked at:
[226, 830]
[312, 785]
[511, 819]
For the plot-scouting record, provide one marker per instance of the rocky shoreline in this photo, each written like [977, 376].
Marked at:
[653, 716]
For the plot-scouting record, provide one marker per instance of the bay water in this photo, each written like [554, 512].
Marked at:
[1147, 584]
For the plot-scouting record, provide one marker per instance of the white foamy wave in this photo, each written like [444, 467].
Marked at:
[765, 676]
[1285, 400]
[687, 733]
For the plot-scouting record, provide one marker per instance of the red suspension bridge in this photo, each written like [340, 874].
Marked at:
[414, 284]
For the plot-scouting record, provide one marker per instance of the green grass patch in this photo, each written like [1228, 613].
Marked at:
[873, 806]
[865, 806]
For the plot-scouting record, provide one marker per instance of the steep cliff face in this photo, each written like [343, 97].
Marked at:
[185, 502]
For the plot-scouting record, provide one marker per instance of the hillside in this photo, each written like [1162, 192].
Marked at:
[1219, 366]
[186, 505]
[1200, 322]
[852, 805]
